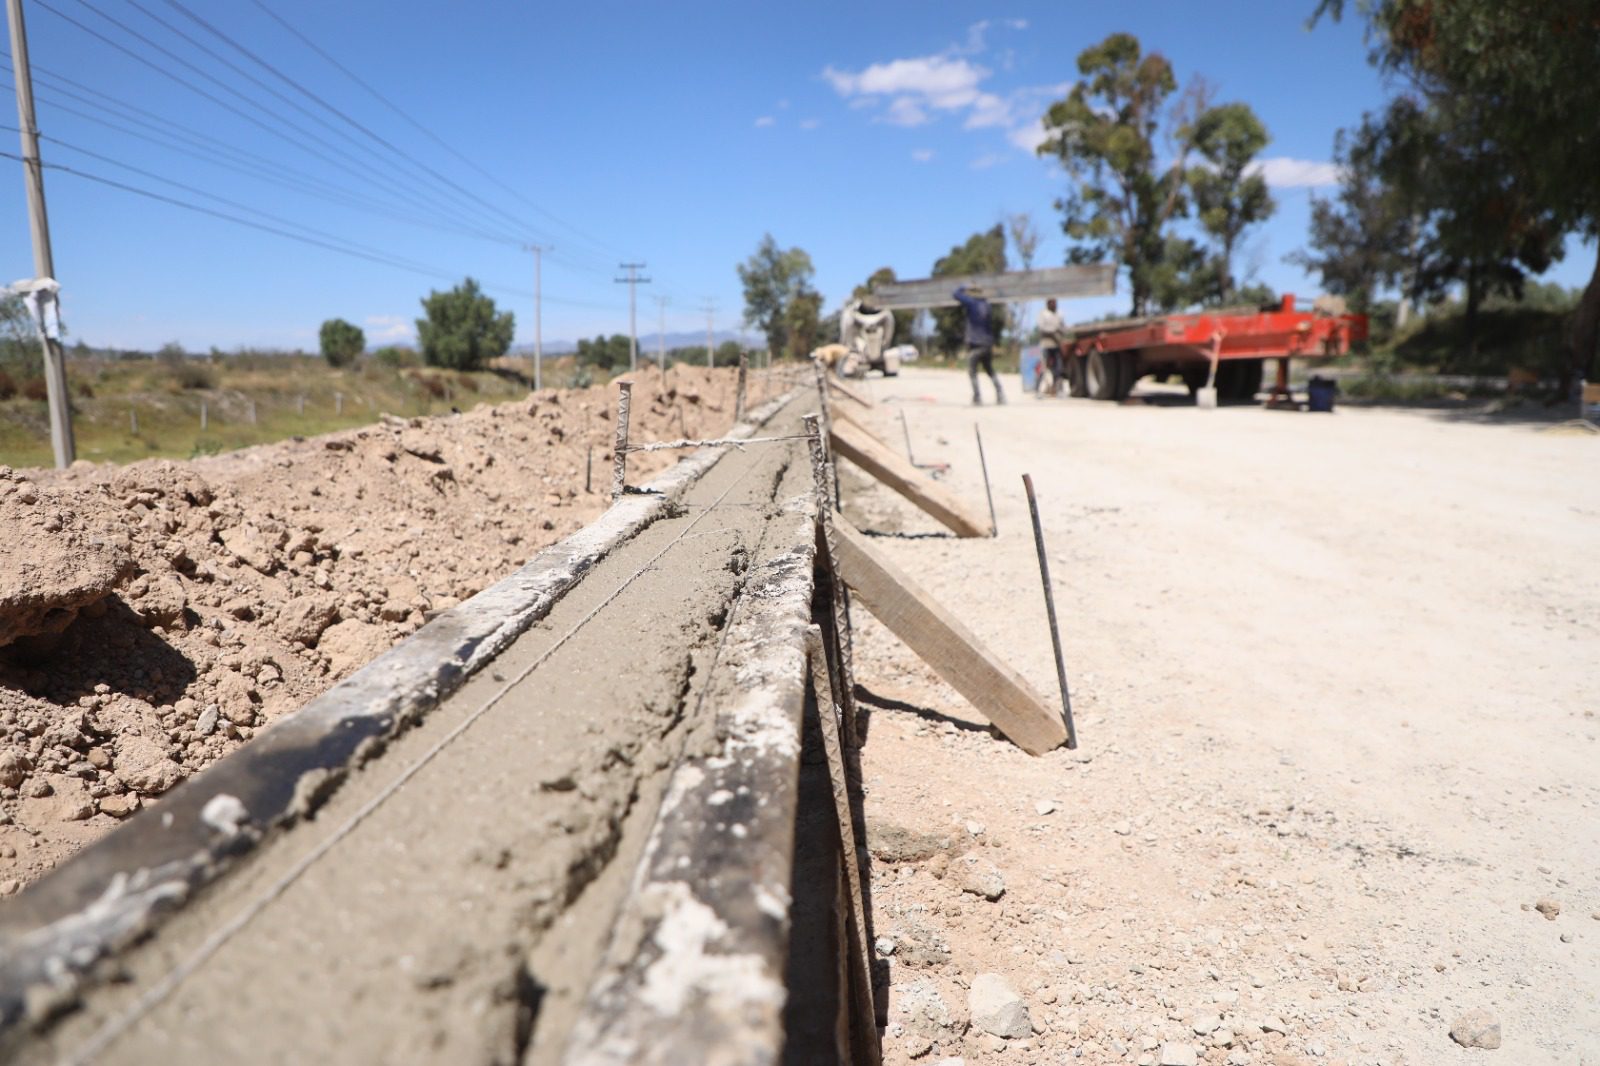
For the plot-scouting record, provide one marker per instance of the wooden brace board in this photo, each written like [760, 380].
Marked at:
[955, 652]
[871, 454]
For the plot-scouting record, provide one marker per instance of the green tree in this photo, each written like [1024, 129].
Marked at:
[1522, 72]
[1364, 237]
[605, 353]
[341, 342]
[19, 343]
[462, 328]
[1228, 197]
[1105, 133]
[778, 296]
[981, 253]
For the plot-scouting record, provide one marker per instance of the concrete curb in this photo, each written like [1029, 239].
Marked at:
[117, 889]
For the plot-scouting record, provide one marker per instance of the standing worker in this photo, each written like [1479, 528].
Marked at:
[1052, 331]
[980, 342]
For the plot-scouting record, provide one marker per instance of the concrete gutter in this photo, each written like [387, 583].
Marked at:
[116, 890]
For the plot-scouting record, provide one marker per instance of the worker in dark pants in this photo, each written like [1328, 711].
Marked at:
[980, 342]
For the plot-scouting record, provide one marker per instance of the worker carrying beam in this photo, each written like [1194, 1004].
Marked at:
[980, 341]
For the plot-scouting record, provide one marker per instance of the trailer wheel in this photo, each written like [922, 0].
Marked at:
[1103, 375]
[1077, 383]
[1194, 377]
[1248, 381]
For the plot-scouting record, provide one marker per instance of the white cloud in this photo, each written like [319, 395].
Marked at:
[387, 329]
[1282, 172]
[923, 155]
[810, 123]
[988, 110]
[905, 111]
[765, 121]
[1029, 137]
[937, 81]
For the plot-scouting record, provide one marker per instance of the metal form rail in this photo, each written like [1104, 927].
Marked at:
[1226, 347]
[583, 818]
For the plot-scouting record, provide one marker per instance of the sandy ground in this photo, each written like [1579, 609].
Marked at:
[1335, 684]
[153, 617]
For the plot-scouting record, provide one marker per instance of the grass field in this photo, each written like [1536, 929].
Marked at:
[127, 410]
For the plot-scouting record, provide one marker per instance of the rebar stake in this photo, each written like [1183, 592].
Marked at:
[619, 453]
[738, 396]
[825, 411]
[907, 431]
[841, 604]
[1050, 609]
[994, 526]
[588, 471]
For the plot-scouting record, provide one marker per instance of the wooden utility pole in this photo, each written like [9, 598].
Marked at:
[632, 281]
[55, 374]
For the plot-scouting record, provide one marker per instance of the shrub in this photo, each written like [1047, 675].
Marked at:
[85, 390]
[396, 357]
[191, 375]
[341, 342]
[8, 386]
[35, 389]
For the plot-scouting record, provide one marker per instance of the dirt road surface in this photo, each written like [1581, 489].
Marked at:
[1335, 683]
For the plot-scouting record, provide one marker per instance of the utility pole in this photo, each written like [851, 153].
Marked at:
[55, 374]
[710, 309]
[538, 251]
[661, 331]
[633, 279]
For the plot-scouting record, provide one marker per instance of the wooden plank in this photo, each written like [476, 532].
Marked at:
[884, 463]
[848, 393]
[954, 651]
[1063, 282]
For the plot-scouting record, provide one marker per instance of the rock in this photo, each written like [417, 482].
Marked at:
[1549, 908]
[1477, 1028]
[1122, 829]
[145, 765]
[1222, 1038]
[1207, 1023]
[922, 1009]
[162, 601]
[979, 877]
[896, 844]
[207, 722]
[996, 1008]
[120, 806]
[885, 946]
[1044, 807]
[306, 617]
[48, 575]
[1273, 1024]
[975, 828]
[919, 943]
[14, 767]
[250, 547]
[1179, 1055]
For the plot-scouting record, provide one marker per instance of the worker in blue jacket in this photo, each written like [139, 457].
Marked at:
[980, 341]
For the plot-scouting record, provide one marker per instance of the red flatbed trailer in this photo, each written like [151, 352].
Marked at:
[1226, 347]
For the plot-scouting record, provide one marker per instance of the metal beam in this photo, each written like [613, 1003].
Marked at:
[1065, 282]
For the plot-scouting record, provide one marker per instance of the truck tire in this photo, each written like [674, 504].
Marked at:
[1077, 373]
[1239, 379]
[1195, 375]
[1103, 375]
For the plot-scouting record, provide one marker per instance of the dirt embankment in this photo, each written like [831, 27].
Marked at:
[154, 617]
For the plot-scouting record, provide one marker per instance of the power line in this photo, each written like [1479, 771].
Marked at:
[323, 241]
[365, 175]
[392, 106]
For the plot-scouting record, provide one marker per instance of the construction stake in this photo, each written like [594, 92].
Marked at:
[841, 604]
[826, 413]
[1050, 610]
[994, 527]
[907, 431]
[738, 396]
[619, 453]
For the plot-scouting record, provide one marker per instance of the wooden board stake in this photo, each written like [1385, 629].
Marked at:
[853, 442]
[955, 652]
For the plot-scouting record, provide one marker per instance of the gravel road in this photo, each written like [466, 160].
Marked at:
[1335, 683]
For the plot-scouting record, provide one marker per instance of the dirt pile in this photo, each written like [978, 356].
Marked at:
[153, 617]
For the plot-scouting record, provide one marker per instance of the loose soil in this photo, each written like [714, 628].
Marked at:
[1334, 678]
[156, 616]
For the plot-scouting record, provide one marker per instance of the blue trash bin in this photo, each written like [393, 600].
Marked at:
[1320, 392]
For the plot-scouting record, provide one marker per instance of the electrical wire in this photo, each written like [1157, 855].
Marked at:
[434, 137]
[327, 242]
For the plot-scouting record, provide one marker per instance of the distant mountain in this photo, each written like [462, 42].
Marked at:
[648, 342]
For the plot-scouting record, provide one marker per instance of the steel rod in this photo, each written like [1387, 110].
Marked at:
[907, 430]
[1050, 610]
[619, 453]
[994, 526]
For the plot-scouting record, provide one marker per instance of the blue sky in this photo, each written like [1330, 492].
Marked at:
[674, 135]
